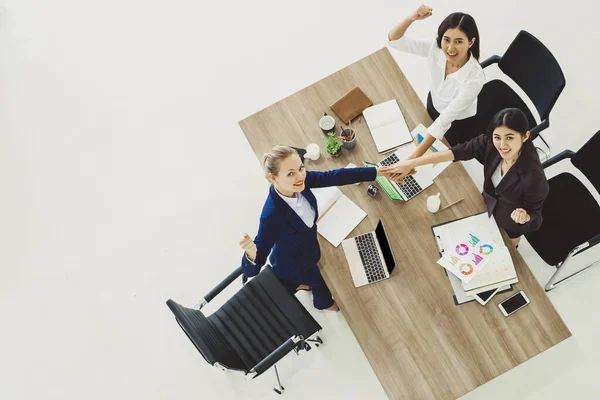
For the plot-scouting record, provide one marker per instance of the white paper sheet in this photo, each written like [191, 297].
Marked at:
[325, 198]
[432, 170]
[468, 255]
[340, 220]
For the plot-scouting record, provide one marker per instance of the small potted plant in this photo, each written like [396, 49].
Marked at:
[333, 147]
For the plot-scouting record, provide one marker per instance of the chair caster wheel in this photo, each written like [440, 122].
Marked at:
[278, 391]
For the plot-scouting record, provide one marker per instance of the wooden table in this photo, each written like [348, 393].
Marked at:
[418, 342]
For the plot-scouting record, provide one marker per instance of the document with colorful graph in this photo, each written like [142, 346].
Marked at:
[468, 255]
[499, 271]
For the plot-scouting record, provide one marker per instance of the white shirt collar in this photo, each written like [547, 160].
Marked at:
[462, 73]
[292, 201]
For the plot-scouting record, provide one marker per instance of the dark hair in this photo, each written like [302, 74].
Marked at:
[465, 23]
[512, 118]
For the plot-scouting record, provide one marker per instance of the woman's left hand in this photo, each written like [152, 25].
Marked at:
[520, 216]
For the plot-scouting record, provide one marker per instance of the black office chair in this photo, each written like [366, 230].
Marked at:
[571, 213]
[255, 329]
[531, 66]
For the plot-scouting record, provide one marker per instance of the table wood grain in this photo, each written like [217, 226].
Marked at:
[418, 342]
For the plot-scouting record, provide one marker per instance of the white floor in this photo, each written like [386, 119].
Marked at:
[125, 180]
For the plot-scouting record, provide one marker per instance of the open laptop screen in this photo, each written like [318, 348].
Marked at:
[385, 247]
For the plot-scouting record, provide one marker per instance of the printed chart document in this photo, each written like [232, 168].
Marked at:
[468, 255]
[338, 215]
[499, 271]
[387, 125]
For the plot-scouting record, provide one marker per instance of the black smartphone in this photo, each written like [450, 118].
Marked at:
[513, 303]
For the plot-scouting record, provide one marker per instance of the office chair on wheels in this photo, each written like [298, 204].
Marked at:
[253, 330]
[535, 70]
[571, 214]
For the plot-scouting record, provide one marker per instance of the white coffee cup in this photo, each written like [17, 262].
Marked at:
[433, 203]
[312, 152]
[327, 123]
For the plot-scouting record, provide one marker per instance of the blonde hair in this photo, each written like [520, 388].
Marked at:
[272, 160]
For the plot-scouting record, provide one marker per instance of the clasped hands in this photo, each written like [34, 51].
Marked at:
[398, 171]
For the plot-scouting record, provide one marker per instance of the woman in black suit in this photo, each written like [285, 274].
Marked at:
[514, 186]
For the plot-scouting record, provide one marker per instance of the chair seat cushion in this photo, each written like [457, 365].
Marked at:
[571, 217]
[262, 316]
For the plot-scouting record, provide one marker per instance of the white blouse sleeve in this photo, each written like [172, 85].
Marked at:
[417, 47]
[466, 95]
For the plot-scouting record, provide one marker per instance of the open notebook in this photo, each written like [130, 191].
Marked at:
[338, 215]
[387, 125]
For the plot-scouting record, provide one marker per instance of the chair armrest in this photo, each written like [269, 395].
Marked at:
[586, 246]
[559, 157]
[276, 355]
[219, 288]
[491, 60]
[536, 130]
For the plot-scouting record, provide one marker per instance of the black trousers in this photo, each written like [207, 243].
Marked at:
[461, 130]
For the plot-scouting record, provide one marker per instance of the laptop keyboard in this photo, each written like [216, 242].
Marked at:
[410, 188]
[390, 160]
[370, 257]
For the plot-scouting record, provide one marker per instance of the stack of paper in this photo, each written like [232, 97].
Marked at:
[454, 238]
[499, 272]
[338, 215]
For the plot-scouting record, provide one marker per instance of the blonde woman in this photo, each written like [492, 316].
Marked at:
[287, 233]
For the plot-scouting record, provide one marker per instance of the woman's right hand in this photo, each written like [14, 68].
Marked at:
[399, 170]
[422, 12]
[247, 244]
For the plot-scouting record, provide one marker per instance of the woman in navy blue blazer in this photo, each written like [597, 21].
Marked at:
[287, 233]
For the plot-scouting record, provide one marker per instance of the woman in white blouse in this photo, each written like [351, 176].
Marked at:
[456, 78]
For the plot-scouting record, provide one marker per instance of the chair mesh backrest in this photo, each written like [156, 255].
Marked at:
[531, 65]
[587, 160]
[208, 340]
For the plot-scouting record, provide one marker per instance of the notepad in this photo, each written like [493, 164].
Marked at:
[338, 215]
[387, 125]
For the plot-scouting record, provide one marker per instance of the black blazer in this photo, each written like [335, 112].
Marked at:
[523, 186]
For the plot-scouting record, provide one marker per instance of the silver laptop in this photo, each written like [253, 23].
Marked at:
[413, 185]
[369, 256]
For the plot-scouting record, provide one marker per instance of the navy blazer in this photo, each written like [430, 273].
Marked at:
[293, 246]
[523, 186]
